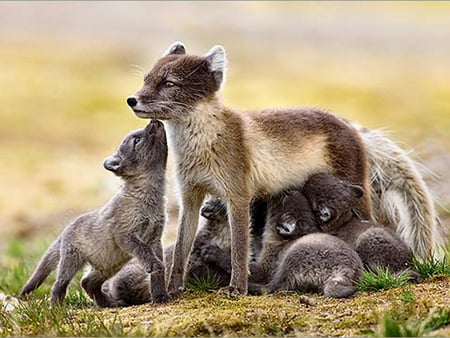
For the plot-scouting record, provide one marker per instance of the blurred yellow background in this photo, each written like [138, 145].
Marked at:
[66, 69]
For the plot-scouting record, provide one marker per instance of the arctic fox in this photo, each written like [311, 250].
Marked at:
[129, 225]
[237, 155]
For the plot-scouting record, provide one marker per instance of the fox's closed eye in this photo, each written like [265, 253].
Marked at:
[168, 84]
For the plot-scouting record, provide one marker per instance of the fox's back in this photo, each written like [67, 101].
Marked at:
[288, 145]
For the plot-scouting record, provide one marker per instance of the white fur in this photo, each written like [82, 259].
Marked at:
[217, 59]
[173, 47]
[287, 228]
[401, 197]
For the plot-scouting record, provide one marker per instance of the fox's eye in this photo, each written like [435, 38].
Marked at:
[136, 140]
[168, 84]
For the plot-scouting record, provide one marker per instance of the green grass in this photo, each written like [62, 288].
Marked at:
[382, 279]
[38, 317]
[210, 282]
[202, 313]
[433, 267]
[393, 324]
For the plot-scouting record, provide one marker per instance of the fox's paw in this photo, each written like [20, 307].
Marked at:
[176, 293]
[161, 298]
[230, 292]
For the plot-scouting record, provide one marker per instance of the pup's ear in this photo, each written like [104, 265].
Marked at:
[357, 191]
[217, 61]
[175, 48]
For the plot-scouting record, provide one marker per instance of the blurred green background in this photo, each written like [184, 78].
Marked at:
[66, 69]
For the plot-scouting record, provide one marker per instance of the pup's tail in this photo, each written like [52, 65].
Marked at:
[47, 264]
[400, 196]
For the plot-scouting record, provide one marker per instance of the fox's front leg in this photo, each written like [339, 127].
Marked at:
[191, 201]
[238, 213]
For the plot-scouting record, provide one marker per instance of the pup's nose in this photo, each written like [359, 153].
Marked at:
[131, 101]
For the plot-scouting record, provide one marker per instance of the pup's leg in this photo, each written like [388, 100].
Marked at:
[150, 257]
[157, 278]
[191, 198]
[69, 263]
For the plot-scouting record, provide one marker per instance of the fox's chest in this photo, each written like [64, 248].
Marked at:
[196, 162]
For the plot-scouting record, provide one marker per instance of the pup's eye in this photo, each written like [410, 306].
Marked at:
[168, 84]
[136, 140]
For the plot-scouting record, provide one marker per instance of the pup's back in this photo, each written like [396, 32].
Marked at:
[318, 262]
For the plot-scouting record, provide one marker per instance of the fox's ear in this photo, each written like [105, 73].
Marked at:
[357, 191]
[217, 60]
[175, 48]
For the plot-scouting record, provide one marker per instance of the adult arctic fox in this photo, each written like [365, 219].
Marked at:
[238, 155]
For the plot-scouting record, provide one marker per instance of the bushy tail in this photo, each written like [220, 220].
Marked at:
[47, 264]
[399, 194]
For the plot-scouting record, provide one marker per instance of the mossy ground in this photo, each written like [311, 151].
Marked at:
[200, 313]
[63, 111]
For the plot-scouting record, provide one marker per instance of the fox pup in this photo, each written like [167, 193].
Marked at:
[130, 285]
[332, 201]
[210, 257]
[238, 155]
[129, 225]
[296, 256]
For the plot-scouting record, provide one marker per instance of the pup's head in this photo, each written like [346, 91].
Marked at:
[140, 153]
[331, 199]
[178, 82]
[289, 215]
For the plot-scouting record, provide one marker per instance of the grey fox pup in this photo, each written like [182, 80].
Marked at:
[296, 256]
[238, 155]
[210, 257]
[332, 201]
[129, 225]
[130, 285]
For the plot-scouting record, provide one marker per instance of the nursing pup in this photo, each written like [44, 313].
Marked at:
[333, 202]
[296, 256]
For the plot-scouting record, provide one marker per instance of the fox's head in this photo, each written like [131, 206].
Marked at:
[141, 152]
[178, 82]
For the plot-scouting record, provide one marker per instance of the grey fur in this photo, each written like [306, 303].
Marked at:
[210, 257]
[333, 202]
[296, 256]
[129, 225]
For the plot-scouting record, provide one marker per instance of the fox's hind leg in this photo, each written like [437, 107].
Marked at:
[69, 263]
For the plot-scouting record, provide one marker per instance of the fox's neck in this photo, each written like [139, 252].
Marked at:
[200, 128]
[145, 189]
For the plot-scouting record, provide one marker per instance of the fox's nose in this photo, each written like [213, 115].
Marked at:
[131, 101]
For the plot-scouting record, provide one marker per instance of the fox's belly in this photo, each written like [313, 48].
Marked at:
[276, 168]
